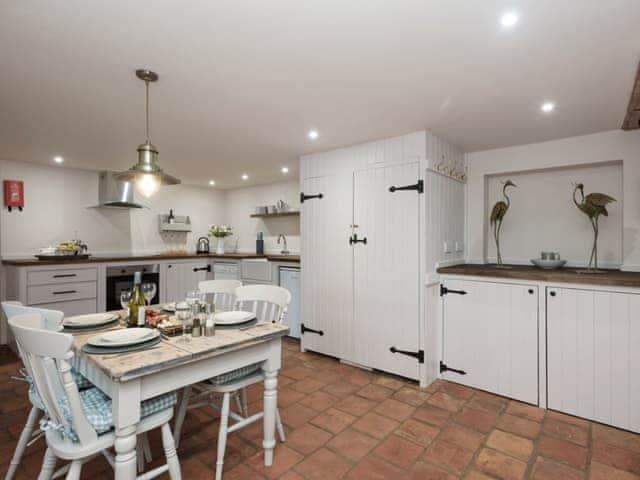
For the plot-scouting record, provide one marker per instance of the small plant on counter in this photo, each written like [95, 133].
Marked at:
[220, 231]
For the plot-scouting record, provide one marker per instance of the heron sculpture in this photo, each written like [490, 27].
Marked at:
[497, 215]
[593, 205]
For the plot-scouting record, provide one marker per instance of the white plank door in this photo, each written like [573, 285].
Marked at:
[491, 333]
[183, 277]
[326, 302]
[387, 269]
[593, 355]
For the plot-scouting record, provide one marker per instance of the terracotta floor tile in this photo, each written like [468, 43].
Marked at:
[307, 438]
[239, 472]
[375, 392]
[500, 465]
[430, 414]
[373, 468]
[545, 469]
[616, 457]
[341, 389]
[600, 471]
[566, 431]
[562, 417]
[319, 401]
[511, 444]
[355, 405]
[284, 459]
[476, 475]
[519, 426]
[463, 437]
[307, 385]
[297, 373]
[457, 390]
[445, 401]
[323, 465]
[563, 451]
[375, 425]
[389, 382]
[297, 415]
[618, 438]
[486, 404]
[447, 455]
[291, 475]
[411, 396]
[333, 420]
[418, 432]
[398, 451]
[530, 412]
[394, 409]
[426, 471]
[287, 397]
[361, 378]
[352, 444]
[476, 419]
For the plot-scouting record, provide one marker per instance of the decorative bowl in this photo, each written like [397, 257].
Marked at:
[548, 264]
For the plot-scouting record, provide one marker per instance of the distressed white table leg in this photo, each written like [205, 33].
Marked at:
[270, 407]
[125, 446]
[126, 415]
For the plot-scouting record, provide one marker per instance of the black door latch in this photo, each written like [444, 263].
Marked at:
[419, 187]
[304, 197]
[419, 354]
[444, 368]
[354, 239]
[444, 291]
[304, 329]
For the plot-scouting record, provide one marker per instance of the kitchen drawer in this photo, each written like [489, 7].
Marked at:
[73, 307]
[47, 277]
[39, 294]
[258, 269]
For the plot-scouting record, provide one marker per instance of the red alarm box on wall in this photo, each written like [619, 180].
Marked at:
[13, 194]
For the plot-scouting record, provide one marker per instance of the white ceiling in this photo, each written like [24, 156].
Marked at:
[242, 82]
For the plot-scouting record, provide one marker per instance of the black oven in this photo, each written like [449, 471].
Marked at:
[121, 278]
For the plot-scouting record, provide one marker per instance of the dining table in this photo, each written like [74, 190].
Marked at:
[132, 377]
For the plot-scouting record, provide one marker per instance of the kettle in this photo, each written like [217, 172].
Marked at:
[203, 245]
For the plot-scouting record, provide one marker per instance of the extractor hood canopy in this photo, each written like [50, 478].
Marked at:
[147, 174]
[114, 193]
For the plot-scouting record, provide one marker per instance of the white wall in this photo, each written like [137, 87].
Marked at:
[241, 203]
[568, 154]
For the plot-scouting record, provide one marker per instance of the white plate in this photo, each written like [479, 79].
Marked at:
[123, 337]
[90, 320]
[233, 318]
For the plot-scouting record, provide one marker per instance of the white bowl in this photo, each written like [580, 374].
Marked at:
[548, 264]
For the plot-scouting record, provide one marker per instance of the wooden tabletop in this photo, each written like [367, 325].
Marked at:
[563, 275]
[170, 352]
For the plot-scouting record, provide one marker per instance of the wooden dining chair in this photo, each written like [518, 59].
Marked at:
[223, 292]
[78, 424]
[269, 303]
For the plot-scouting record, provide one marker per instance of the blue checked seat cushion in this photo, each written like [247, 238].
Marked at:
[96, 407]
[81, 382]
[236, 374]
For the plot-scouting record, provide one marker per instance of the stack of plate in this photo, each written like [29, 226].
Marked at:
[235, 319]
[124, 340]
[92, 321]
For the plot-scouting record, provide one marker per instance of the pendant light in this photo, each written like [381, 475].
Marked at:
[147, 174]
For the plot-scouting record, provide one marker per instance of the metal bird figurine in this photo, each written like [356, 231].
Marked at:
[497, 215]
[593, 205]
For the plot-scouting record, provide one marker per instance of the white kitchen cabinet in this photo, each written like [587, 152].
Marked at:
[593, 355]
[490, 332]
[387, 269]
[327, 266]
[289, 278]
[182, 277]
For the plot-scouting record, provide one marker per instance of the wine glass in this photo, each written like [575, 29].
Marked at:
[193, 297]
[149, 291]
[183, 313]
[125, 297]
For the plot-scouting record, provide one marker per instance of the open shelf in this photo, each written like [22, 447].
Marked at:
[293, 213]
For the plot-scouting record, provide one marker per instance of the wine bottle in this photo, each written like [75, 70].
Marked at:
[137, 303]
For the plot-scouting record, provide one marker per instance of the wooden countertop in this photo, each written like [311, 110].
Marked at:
[29, 262]
[563, 275]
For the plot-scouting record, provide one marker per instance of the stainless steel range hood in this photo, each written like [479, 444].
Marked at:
[113, 193]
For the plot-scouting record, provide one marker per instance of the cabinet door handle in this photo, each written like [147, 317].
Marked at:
[354, 239]
[63, 292]
[530, 291]
[201, 269]
[65, 275]
[552, 293]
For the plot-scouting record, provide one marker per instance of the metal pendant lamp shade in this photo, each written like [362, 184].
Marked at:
[147, 174]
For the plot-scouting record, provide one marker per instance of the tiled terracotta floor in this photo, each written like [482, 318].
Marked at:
[343, 422]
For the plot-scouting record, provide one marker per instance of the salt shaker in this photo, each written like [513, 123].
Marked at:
[210, 324]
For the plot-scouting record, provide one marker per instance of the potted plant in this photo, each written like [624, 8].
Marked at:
[220, 231]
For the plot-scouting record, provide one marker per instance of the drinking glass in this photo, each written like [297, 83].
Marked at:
[183, 313]
[125, 297]
[194, 296]
[149, 291]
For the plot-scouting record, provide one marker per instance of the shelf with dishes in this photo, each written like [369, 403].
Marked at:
[291, 213]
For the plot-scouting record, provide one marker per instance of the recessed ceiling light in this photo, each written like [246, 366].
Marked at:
[509, 19]
[313, 134]
[212, 182]
[284, 169]
[548, 107]
[245, 176]
[58, 159]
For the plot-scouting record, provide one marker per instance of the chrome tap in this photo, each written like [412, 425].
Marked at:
[284, 250]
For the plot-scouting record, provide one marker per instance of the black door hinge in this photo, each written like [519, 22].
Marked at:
[419, 187]
[444, 368]
[353, 239]
[304, 329]
[444, 291]
[419, 354]
[304, 197]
